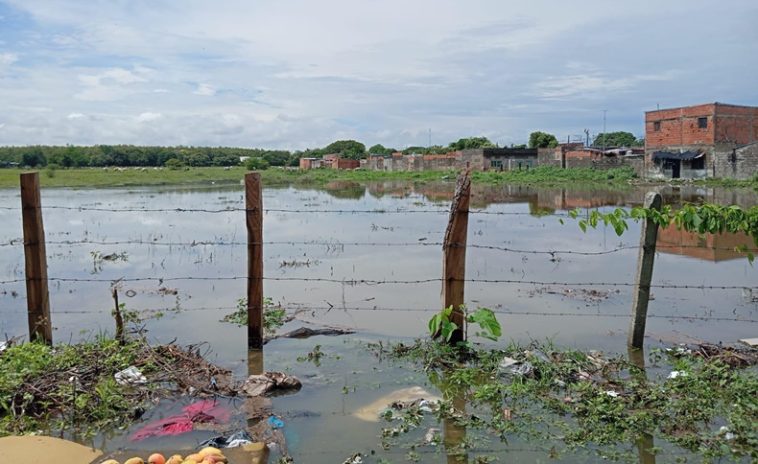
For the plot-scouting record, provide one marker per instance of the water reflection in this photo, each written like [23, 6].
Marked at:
[645, 443]
[209, 246]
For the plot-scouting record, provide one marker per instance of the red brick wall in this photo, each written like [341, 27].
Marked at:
[582, 154]
[346, 164]
[736, 124]
[679, 126]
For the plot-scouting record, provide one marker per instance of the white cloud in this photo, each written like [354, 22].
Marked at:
[7, 59]
[110, 84]
[592, 85]
[148, 117]
[75, 116]
[368, 70]
[205, 90]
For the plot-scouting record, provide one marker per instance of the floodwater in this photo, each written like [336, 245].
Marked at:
[328, 255]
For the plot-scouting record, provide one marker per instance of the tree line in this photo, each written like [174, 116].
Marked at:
[72, 156]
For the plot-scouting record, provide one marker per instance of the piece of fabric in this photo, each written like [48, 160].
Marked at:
[200, 412]
[682, 156]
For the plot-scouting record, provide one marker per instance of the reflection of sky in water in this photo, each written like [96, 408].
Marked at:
[80, 307]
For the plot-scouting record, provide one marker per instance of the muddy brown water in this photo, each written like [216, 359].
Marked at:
[515, 228]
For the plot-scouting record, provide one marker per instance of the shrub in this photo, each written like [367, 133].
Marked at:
[174, 164]
[50, 170]
[256, 164]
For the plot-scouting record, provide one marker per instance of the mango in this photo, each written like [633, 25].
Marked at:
[110, 461]
[156, 458]
[134, 461]
[209, 450]
[214, 459]
[175, 459]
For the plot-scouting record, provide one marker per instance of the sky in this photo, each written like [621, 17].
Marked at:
[293, 74]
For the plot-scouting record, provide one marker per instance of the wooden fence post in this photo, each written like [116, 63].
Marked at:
[254, 221]
[645, 259]
[454, 255]
[37, 296]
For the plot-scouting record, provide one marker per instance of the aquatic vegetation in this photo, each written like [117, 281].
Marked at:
[274, 316]
[697, 399]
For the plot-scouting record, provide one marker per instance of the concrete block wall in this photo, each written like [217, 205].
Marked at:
[740, 163]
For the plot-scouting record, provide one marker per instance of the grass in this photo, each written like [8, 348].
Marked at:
[71, 389]
[45, 388]
[542, 175]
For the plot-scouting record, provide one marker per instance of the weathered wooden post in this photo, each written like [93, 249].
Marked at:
[454, 255]
[37, 296]
[254, 221]
[645, 259]
[117, 315]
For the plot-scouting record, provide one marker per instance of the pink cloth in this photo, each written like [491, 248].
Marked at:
[205, 411]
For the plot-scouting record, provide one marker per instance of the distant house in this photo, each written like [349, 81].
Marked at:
[508, 159]
[710, 140]
[310, 163]
[332, 161]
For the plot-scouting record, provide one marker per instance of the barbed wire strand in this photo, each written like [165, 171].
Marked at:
[353, 282]
[326, 243]
[303, 307]
[288, 210]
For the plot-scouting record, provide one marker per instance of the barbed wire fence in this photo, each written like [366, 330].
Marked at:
[37, 279]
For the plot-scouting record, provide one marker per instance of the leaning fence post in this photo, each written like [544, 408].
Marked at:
[254, 221]
[37, 296]
[454, 255]
[645, 259]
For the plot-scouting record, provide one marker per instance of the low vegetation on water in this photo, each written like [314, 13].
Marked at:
[700, 399]
[274, 316]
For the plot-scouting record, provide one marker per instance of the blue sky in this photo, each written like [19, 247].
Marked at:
[300, 73]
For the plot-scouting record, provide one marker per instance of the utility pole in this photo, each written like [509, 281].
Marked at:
[587, 135]
[605, 134]
[430, 137]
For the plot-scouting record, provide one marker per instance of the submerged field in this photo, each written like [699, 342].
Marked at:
[366, 256]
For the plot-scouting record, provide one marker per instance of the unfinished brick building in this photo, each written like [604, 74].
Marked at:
[711, 140]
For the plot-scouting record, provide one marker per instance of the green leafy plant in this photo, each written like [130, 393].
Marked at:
[441, 325]
[700, 219]
[274, 316]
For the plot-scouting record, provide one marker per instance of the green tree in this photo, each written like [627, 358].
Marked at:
[277, 157]
[346, 149]
[471, 142]
[615, 139]
[33, 157]
[539, 139]
[380, 149]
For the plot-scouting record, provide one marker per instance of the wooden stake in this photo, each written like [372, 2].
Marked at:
[254, 220]
[117, 315]
[454, 255]
[37, 296]
[645, 259]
